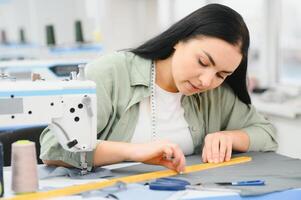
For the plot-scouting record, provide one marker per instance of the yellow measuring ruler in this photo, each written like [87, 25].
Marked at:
[76, 189]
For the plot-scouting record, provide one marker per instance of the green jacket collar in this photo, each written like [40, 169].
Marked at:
[140, 71]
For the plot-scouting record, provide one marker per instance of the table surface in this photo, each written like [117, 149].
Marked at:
[185, 195]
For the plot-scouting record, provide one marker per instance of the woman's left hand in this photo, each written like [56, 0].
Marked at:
[217, 148]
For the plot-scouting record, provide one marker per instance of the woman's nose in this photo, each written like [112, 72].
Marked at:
[206, 79]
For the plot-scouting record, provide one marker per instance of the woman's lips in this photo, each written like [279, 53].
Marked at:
[193, 87]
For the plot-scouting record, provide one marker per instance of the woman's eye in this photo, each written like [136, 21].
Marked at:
[202, 63]
[220, 76]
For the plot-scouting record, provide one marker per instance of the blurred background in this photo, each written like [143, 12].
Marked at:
[84, 29]
[52, 37]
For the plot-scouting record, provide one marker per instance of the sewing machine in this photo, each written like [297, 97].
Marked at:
[49, 69]
[68, 107]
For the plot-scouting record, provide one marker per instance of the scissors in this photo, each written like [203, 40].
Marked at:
[171, 184]
[174, 184]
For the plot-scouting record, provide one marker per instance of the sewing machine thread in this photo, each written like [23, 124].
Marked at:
[24, 167]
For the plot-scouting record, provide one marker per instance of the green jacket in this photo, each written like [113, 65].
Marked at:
[123, 80]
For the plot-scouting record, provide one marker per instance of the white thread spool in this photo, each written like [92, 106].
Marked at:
[24, 167]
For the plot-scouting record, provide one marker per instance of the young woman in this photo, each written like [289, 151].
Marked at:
[180, 93]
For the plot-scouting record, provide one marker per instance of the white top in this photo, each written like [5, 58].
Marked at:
[170, 121]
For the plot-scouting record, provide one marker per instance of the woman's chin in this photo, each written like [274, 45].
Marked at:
[192, 92]
[188, 90]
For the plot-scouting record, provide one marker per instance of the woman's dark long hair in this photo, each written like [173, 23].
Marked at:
[212, 20]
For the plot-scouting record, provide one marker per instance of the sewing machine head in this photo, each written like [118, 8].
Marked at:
[69, 107]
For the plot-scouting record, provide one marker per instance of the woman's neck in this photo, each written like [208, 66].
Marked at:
[164, 78]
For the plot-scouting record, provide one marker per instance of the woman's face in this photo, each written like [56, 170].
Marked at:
[203, 63]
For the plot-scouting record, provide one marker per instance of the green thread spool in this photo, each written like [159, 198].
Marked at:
[50, 36]
[22, 37]
[79, 36]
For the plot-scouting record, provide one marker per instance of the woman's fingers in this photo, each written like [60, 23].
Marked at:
[223, 145]
[208, 146]
[204, 155]
[178, 158]
[174, 158]
[167, 153]
[162, 153]
[229, 151]
[217, 148]
[181, 167]
[168, 164]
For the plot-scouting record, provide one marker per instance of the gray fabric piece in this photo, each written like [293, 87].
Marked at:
[74, 173]
[279, 172]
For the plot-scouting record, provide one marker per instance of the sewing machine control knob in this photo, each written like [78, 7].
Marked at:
[72, 143]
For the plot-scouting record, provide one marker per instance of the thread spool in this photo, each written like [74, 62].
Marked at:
[1, 171]
[79, 36]
[22, 37]
[50, 36]
[24, 167]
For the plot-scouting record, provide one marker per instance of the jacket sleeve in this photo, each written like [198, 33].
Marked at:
[237, 115]
[100, 71]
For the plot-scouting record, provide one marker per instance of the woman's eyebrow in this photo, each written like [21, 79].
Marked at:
[227, 72]
[209, 57]
[213, 63]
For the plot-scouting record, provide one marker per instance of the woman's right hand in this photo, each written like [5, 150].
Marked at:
[159, 152]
